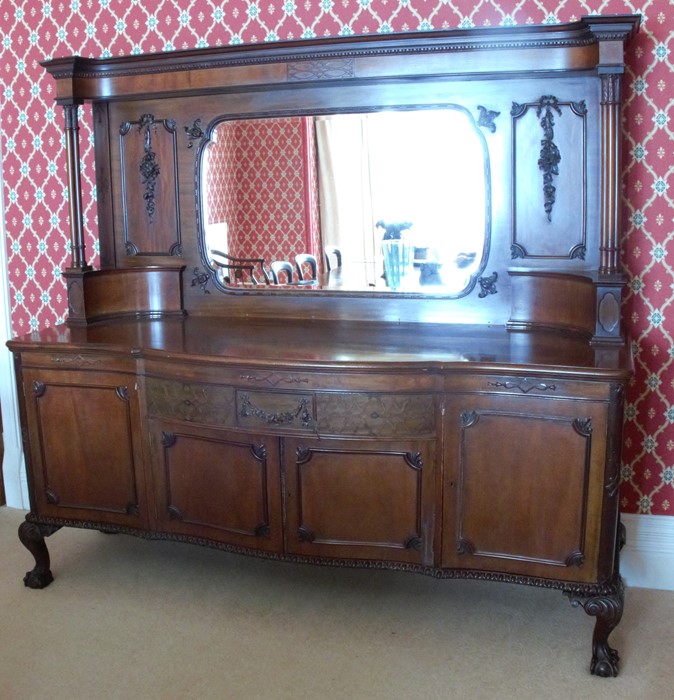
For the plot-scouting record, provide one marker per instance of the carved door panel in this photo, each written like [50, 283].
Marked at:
[220, 485]
[524, 485]
[85, 455]
[360, 499]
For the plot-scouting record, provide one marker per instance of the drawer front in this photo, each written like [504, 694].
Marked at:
[75, 361]
[376, 415]
[529, 385]
[209, 404]
[324, 413]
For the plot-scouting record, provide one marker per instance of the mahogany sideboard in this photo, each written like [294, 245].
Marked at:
[469, 432]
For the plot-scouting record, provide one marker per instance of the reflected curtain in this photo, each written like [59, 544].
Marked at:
[344, 186]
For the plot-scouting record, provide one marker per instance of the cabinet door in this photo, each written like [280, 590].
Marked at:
[524, 485]
[360, 499]
[221, 485]
[85, 454]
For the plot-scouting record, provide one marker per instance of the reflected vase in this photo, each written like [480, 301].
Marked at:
[397, 260]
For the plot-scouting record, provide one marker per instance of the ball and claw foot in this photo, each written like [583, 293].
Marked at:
[605, 664]
[32, 537]
[37, 578]
[607, 608]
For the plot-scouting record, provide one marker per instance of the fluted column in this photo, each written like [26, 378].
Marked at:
[78, 261]
[610, 174]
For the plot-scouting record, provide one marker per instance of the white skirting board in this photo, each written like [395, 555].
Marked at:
[647, 559]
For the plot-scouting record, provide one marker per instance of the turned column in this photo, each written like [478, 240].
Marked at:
[78, 261]
[74, 274]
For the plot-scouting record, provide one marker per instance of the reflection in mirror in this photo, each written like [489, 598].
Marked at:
[384, 201]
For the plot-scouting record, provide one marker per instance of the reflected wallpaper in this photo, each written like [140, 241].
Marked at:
[33, 162]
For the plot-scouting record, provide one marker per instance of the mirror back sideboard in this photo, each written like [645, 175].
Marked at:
[470, 435]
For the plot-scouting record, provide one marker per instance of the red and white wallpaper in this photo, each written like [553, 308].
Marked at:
[33, 163]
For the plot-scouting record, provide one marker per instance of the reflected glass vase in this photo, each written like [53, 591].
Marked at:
[397, 260]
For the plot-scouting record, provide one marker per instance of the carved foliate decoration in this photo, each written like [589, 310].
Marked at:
[414, 460]
[550, 157]
[39, 388]
[524, 385]
[194, 132]
[201, 278]
[122, 392]
[302, 414]
[263, 530]
[413, 542]
[576, 558]
[148, 151]
[488, 285]
[583, 426]
[168, 439]
[149, 167]
[302, 454]
[174, 513]
[465, 546]
[469, 418]
[486, 118]
[259, 452]
[332, 69]
[559, 144]
[304, 534]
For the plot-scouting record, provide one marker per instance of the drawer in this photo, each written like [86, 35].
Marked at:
[297, 379]
[354, 414]
[210, 404]
[376, 415]
[529, 385]
[78, 361]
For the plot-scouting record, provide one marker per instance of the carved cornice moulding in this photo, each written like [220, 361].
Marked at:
[81, 78]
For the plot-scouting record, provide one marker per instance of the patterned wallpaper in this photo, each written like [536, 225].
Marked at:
[35, 184]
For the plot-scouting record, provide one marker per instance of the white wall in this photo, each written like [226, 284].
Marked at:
[13, 471]
[647, 559]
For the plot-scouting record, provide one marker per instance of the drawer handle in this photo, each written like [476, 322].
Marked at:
[525, 386]
[281, 418]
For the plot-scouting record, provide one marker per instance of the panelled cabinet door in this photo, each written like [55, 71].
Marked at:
[85, 447]
[220, 485]
[524, 485]
[360, 499]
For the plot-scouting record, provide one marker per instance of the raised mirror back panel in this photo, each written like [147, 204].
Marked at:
[394, 197]
[408, 183]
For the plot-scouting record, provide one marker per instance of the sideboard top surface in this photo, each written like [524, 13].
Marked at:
[316, 344]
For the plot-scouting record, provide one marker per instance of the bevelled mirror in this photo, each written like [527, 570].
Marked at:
[379, 202]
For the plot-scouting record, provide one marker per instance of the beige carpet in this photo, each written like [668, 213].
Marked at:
[130, 618]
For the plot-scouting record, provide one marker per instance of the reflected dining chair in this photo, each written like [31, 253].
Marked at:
[329, 251]
[279, 266]
[306, 259]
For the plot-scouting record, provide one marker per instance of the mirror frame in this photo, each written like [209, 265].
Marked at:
[207, 138]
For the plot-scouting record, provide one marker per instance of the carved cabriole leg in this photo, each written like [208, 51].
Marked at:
[32, 538]
[607, 607]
